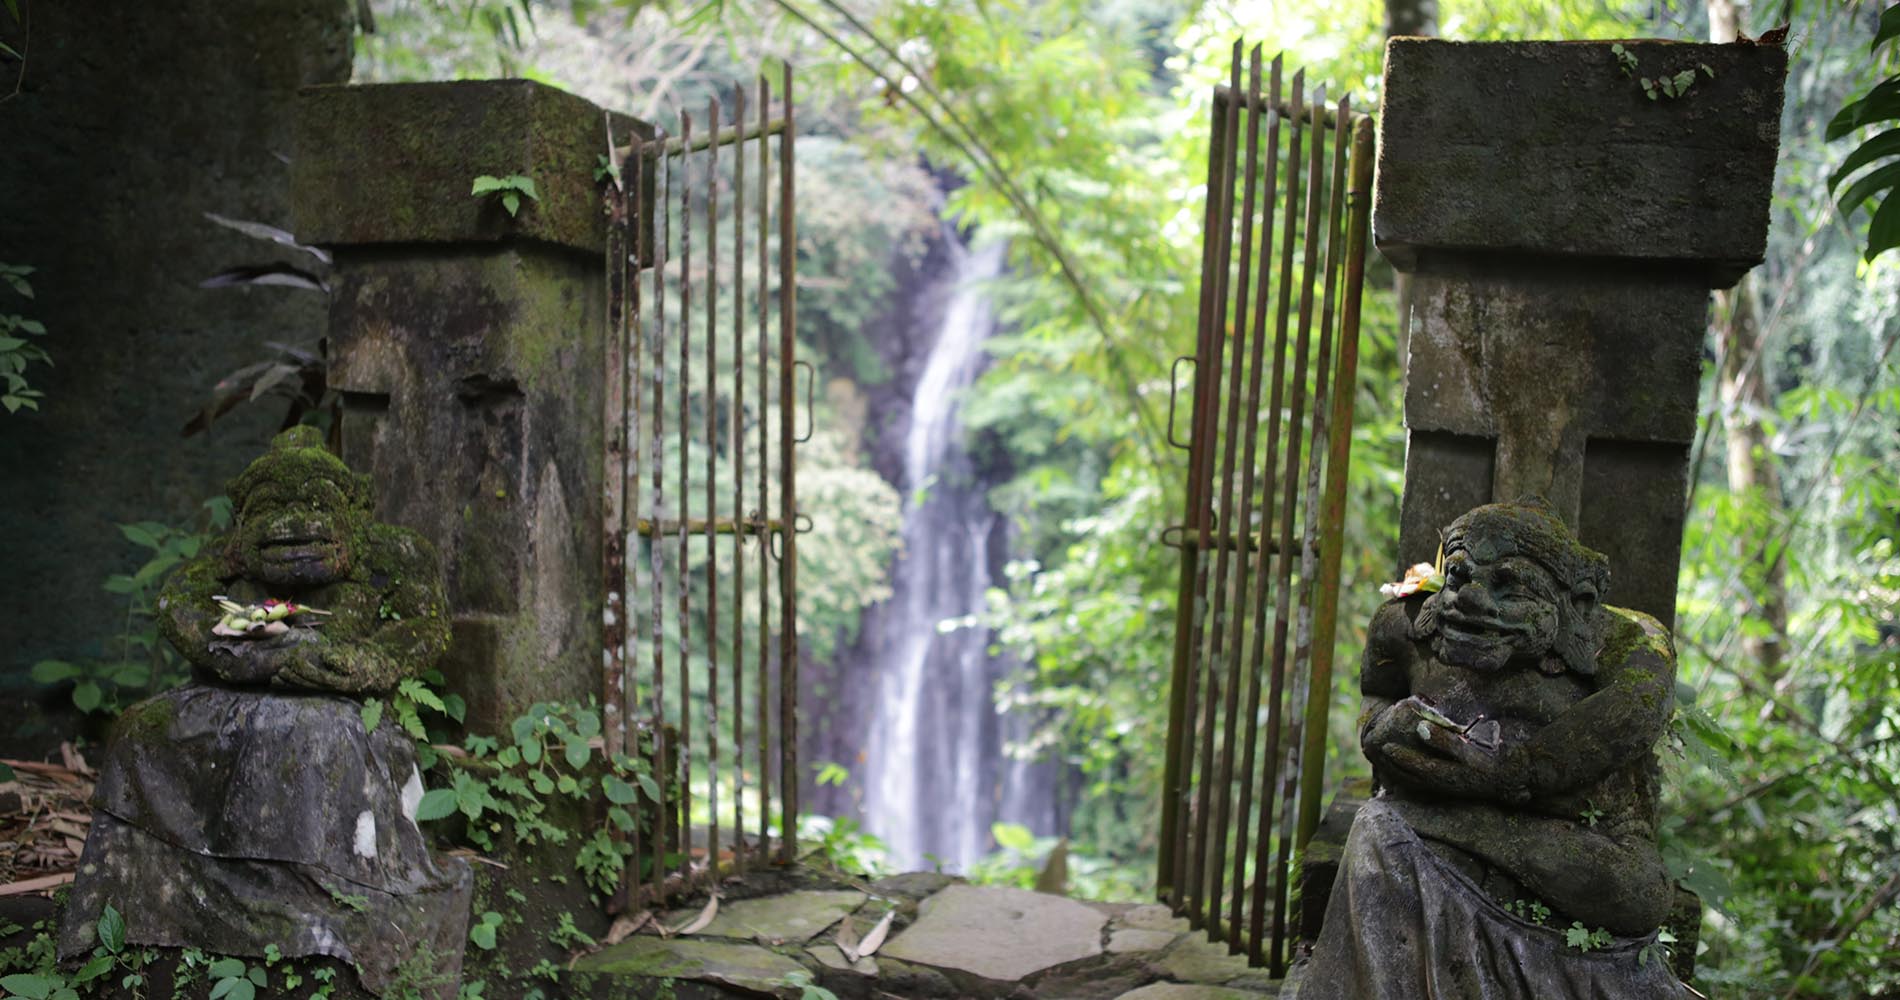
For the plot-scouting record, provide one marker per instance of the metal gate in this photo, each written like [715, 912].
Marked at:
[1260, 553]
[697, 677]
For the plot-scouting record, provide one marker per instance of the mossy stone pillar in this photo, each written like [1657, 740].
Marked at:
[1563, 229]
[469, 349]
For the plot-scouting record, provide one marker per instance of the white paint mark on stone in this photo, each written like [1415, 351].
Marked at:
[365, 834]
[412, 794]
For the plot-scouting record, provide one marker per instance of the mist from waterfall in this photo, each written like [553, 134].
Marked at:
[935, 777]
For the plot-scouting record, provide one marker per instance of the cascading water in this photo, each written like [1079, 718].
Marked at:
[934, 771]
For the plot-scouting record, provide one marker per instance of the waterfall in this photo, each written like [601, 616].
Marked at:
[934, 771]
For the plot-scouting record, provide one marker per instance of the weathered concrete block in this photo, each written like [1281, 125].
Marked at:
[1575, 383]
[470, 351]
[394, 163]
[1550, 147]
[1562, 230]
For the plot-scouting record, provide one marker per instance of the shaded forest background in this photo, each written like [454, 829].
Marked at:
[1783, 778]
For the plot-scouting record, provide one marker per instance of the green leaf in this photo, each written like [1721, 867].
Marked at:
[119, 583]
[99, 966]
[258, 976]
[618, 792]
[111, 929]
[11, 343]
[486, 184]
[30, 987]
[235, 988]
[620, 818]
[54, 671]
[1012, 836]
[531, 751]
[525, 185]
[1880, 104]
[587, 723]
[87, 695]
[1863, 189]
[455, 708]
[577, 751]
[511, 201]
[6, 773]
[1885, 144]
[482, 935]
[1884, 234]
[226, 968]
[372, 714]
[436, 803]
[13, 7]
[649, 786]
[1889, 27]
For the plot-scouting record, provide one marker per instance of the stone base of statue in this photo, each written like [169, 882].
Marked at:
[1405, 924]
[231, 820]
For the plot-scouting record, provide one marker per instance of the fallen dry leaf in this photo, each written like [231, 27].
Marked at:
[625, 926]
[875, 940]
[699, 923]
[847, 940]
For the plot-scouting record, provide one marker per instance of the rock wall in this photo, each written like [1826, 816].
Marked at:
[132, 120]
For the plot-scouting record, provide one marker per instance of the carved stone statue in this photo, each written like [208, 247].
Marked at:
[252, 807]
[1511, 720]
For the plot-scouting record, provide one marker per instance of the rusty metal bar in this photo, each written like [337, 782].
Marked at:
[1280, 742]
[1171, 864]
[1197, 856]
[634, 221]
[1251, 661]
[1235, 658]
[1290, 773]
[758, 513]
[662, 241]
[1256, 925]
[788, 505]
[685, 587]
[616, 374]
[1230, 718]
[1339, 447]
[709, 410]
[680, 144]
[1305, 114]
[736, 445]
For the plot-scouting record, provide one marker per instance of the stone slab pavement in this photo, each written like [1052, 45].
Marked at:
[777, 932]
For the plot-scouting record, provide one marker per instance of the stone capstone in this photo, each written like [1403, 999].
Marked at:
[998, 933]
[1551, 148]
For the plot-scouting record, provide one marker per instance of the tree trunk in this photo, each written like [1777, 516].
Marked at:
[1411, 17]
[1743, 390]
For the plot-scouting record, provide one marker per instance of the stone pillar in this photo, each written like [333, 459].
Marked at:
[469, 348]
[1563, 230]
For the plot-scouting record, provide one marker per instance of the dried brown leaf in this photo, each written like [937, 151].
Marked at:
[875, 940]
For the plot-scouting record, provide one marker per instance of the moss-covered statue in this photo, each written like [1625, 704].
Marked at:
[1511, 720]
[361, 602]
[252, 808]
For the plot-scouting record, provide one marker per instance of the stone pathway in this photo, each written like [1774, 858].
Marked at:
[949, 939]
